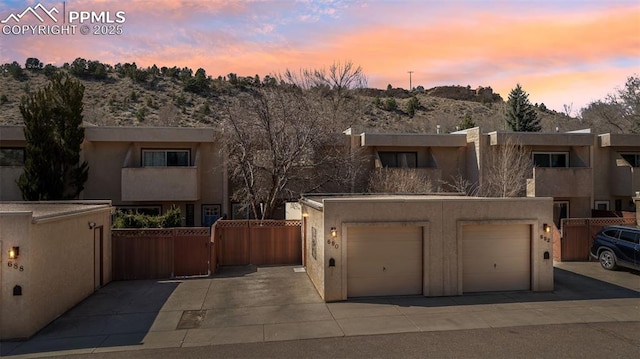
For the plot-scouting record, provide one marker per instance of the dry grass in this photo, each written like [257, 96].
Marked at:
[117, 102]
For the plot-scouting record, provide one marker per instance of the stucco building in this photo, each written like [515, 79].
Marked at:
[137, 168]
[151, 169]
[581, 171]
[52, 256]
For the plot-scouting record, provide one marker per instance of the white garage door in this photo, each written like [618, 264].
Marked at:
[496, 258]
[384, 261]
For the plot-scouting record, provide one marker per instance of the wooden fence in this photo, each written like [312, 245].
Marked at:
[268, 242]
[578, 233]
[158, 253]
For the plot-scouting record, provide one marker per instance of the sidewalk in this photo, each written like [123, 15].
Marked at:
[248, 304]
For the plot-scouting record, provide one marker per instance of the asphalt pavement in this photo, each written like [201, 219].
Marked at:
[276, 312]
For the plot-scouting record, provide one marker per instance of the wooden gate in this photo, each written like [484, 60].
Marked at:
[159, 253]
[191, 251]
[269, 242]
[578, 233]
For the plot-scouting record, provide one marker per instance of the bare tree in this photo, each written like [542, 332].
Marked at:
[506, 174]
[333, 84]
[618, 112]
[567, 109]
[284, 139]
[400, 180]
[459, 184]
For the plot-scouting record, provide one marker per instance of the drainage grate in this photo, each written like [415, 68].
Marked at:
[191, 319]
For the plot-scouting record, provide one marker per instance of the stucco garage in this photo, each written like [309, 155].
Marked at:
[362, 246]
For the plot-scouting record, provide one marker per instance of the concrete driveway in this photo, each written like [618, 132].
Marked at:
[249, 304]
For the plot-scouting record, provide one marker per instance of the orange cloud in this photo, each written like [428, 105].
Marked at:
[555, 55]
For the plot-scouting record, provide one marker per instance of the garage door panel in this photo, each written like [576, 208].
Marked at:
[513, 281]
[496, 258]
[393, 285]
[384, 260]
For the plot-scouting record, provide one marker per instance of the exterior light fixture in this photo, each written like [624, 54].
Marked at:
[334, 232]
[92, 225]
[305, 215]
[546, 227]
[14, 252]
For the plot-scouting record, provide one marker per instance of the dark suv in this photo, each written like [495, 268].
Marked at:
[617, 246]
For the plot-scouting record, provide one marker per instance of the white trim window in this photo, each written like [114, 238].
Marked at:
[551, 159]
[632, 158]
[165, 158]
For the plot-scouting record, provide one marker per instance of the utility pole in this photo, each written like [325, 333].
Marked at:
[410, 87]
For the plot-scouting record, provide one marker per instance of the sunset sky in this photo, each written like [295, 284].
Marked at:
[560, 51]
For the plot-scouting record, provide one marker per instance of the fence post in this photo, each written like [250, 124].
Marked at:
[250, 241]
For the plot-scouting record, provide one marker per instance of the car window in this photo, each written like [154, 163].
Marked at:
[613, 233]
[629, 236]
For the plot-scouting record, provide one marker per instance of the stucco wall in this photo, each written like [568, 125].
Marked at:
[603, 164]
[450, 160]
[60, 268]
[105, 162]
[14, 231]
[315, 266]
[442, 241]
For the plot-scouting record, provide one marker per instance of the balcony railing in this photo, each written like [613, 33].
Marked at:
[560, 182]
[160, 184]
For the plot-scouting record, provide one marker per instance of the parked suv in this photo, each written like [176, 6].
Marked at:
[617, 246]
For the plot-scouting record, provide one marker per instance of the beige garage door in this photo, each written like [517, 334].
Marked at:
[496, 258]
[384, 260]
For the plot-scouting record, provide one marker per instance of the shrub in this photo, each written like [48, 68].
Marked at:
[128, 219]
[390, 104]
[412, 106]
[141, 113]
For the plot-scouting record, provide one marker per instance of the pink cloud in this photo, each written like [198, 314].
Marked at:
[444, 44]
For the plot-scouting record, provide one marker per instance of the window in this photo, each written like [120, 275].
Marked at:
[11, 156]
[551, 159]
[238, 212]
[399, 159]
[613, 233]
[628, 236]
[632, 158]
[165, 158]
[602, 205]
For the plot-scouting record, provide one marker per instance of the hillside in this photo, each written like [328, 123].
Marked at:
[151, 98]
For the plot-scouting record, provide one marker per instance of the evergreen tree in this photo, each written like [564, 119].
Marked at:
[412, 106]
[467, 122]
[521, 115]
[53, 132]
